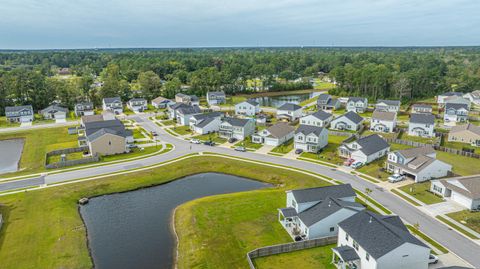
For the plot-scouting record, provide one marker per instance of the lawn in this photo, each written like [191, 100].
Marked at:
[6, 124]
[323, 85]
[247, 143]
[329, 153]
[37, 143]
[284, 148]
[319, 258]
[421, 191]
[426, 140]
[211, 137]
[182, 130]
[386, 135]
[462, 165]
[70, 156]
[168, 122]
[467, 218]
[376, 169]
[308, 101]
[460, 146]
[136, 152]
[137, 133]
[43, 228]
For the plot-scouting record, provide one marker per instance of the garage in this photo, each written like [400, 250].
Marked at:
[271, 141]
[465, 201]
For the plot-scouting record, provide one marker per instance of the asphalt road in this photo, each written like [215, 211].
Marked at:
[463, 247]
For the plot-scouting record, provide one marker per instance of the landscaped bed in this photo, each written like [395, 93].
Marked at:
[421, 191]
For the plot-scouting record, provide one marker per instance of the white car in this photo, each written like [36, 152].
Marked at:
[356, 165]
[396, 178]
[195, 141]
[432, 259]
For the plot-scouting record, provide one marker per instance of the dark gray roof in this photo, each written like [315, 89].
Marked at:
[372, 143]
[289, 107]
[389, 102]
[326, 208]
[452, 94]
[252, 102]
[455, 106]
[138, 100]
[288, 212]
[321, 193]
[204, 122]
[217, 94]
[54, 109]
[81, 104]
[112, 99]
[15, 109]
[323, 98]
[422, 105]
[378, 235]
[321, 115]
[109, 126]
[280, 130]
[237, 122]
[203, 116]
[187, 109]
[346, 253]
[307, 129]
[354, 117]
[422, 118]
[356, 99]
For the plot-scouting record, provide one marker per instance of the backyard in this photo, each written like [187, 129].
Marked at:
[318, 258]
[462, 165]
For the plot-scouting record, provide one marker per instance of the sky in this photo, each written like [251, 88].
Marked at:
[68, 24]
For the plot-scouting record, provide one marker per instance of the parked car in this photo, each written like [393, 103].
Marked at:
[298, 151]
[348, 162]
[195, 141]
[396, 178]
[356, 165]
[432, 259]
[209, 143]
[242, 149]
[232, 140]
[154, 133]
[132, 146]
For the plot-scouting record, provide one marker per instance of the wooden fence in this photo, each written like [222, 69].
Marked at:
[67, 163]
[288, 247]
[66, 151]
[1, 221]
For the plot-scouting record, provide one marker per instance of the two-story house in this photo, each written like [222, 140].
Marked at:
[315, 212]
[20, 114]
[161, 102]
[388, 105]
[206, 123]
[383, 121]
[349, 121]
[419, 164]
[184, 112]
[249, 107]
[441, 98]
[357, 104]
[113, 104]
[421, 124]
[474, 97]
[466, 133]
[366, 149]
[458, 100]
[84, 109]
[319, 118]
[370, 241]
[236, 128]
[289, 112]
[327, 102]
[192, 100]
[455, 113]
[55, 112]
[310, 138]
[216, 98]
[137, 104]
[422, 108]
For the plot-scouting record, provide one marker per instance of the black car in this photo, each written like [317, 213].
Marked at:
[298, 151]
[209, 143]
[232, 140]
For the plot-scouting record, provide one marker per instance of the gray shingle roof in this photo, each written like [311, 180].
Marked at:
[321, 115]
[378, 235]
[204, 122]
[109, 100]
[307, 129]
[346, 253]
[356, 99]
[13, 110]
[109, 126]
[280, 129]
[422, 118]
[321, 193]
[138, 100]
[467, 186]
[455, 106]
[466, 127]
[323, 98]
[384, 115]
[252, 102]
[236, 121]
[422, 106]
[413, 152]
[372, 143]
[288, 212]
[326, 208]
[54, 109]
[289, 107]
[389, 102]
[452, 94]
[187, 110]
[354, 117]
[217, 94]
[203, 116]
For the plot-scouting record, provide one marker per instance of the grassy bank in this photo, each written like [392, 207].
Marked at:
[43, 228]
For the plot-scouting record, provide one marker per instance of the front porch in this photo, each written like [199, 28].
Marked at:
[345, 257]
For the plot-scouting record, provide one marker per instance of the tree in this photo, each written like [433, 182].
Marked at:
[111, 81]
[171, 88]
[150, 84]
[368, 191]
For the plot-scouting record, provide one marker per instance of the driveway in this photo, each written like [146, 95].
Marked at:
[265, 149]
[442, 208]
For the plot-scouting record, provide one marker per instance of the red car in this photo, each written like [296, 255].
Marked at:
[348, 162]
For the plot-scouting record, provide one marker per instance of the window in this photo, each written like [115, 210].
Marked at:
[332, 229]
[367, 256]
[355, 245]
[346, 237]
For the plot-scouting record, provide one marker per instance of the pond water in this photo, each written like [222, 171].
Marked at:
[276, 101]
[132, 229]
[10, 154]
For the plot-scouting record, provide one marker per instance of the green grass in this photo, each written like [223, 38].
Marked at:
[182, 130]
[247, 143]
[70, 156]
[427, 239]
[168, 122]
[308, 101]
[319, 258]
[376, 169]
[136, 152]
[467, 218]
[456, 227]
[213, 137]
[324, 85]
[329, 153]
[425, 140]
[462, 165]
[6, 124]
[405, 197]
[421, 192]
[284, 148]
[386, 135]
[137, 133]
[460, 146]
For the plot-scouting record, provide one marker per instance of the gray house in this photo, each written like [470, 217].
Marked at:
[19, 113]
[236, 128]
[310, 138]
[388, 105]
[55, 112]
[327, 102]
[348, 121]
[216, 98]
[357, 104]
[84, 109]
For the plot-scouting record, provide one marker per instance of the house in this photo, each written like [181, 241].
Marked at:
[388, 105]
[161, 102]
[206, 123]
[349, 121]
[474, 97]
[84, 109]
[422, 108]
[421, 124]
[216, 98]
[455, 112]
[383, 121]
[56, 112]
[316, 212]
[367, 240]
[467, 133]
[19, 113]
[137, 104]
[319, 118]
[462, 190]
[289, 112]
[236, 128]
[113, 104]
[187, 99]
[457, 100]
[357, 104]
[420, 164]
[249, 107]
[441, 98]
[182, 113]
[366, 149]
[106, 137]
[310, 138]
[274, 135]
[91, 118]
[326, 102]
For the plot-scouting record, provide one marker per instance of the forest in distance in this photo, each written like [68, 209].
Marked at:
[32, 77]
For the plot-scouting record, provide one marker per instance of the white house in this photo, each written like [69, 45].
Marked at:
[457, 100]
[349, 121]
[357, 104]
[137, 104]
[274, 135]
[315, 212]
[370, 241]
[19, 113]
[84, 109]
[55, 112]
[289, 111]
[463, 190]
[161, 102]
[327, 102]
[421, 124]
[216, 98]
[474, 97]
[182, 113]
[249, 107]
[441, 98]
[113, 104]
[365, 150]
[192, 100]
[420, 164]
[422, 108]
[383, 121]
[206, 123]
[455, 113]
[236, 128]
[310, 138]
[388, 105]
[319, 118]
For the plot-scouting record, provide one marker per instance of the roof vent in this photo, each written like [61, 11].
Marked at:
[329, 203]
[370, 221]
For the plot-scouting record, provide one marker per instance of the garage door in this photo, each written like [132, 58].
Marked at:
[271, 142]
[466, 202]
